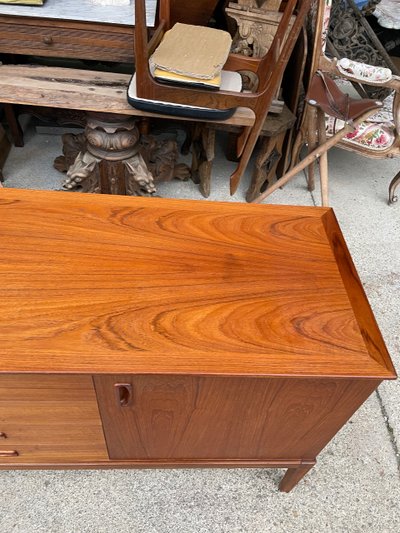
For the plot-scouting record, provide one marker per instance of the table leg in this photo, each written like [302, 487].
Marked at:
[106, 159]
[14, 125]
[4, 150]
[112, 157]
[265, 165]
[293, 476]
[203, 153]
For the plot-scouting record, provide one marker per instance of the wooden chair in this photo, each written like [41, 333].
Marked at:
[322, 128]
[269, 70]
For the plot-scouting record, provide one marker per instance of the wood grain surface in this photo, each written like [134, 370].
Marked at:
[82, 90]
[49, 419]
[199, 418]
[65, 39]
[106, 284]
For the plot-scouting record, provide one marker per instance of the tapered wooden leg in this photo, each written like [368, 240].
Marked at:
[312, 143]
[293, 476]
[297, 146]
[323, 160]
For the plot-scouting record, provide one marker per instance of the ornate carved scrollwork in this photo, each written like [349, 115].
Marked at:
[111, 158]
[256, 26]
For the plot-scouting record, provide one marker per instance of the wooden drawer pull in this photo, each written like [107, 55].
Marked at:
[123, 393]
[48, 40]
[8, 453]
[2, 435]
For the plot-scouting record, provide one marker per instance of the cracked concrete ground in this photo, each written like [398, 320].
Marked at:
[355, 486]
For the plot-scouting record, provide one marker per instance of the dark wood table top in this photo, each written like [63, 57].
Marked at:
[113, 284]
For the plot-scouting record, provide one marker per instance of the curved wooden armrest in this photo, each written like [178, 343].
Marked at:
[156, 38]
[329, 65]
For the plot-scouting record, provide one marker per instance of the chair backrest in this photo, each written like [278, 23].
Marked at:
[269, 69]
[339, 30]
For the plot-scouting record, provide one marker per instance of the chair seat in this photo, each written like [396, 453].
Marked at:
[230, 81]
[378, 133]
[364, 73]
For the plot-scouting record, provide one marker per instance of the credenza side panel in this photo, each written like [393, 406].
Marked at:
[49, 419]
[187, 417]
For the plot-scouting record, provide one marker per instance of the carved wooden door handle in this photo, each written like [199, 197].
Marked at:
[123, 393]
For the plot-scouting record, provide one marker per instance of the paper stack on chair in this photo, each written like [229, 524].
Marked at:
[191, 55]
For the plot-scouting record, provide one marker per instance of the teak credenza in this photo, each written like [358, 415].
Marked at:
[153, 332]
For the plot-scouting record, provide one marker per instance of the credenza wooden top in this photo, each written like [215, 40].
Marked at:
[113, 284]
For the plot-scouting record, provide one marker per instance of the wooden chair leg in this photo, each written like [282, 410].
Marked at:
[231, 148]
[293, 476]
[315, 154]
[312, 127]
[392, 188]
[300, 140]
[323, 160]
[15, 127]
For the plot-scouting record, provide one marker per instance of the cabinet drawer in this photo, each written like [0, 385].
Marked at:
[46, 419]
[106, 44]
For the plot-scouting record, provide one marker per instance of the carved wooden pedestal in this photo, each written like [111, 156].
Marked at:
[105, 158]
[110, 157]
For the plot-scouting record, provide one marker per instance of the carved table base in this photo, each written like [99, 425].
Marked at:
[202, 140]
[265, 165]
[110, 158]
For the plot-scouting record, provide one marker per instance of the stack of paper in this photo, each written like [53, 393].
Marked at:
[191, 55]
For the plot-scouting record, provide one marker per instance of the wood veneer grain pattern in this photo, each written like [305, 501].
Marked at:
[366, 320]
[66, 39]
[84, 90]
[114, 285]
[198, 418]
[50, 418]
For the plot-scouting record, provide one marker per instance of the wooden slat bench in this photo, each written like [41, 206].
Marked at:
[102, 94]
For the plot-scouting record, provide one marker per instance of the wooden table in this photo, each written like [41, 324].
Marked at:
[142, 332]
[80, 29]
[71, 29]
